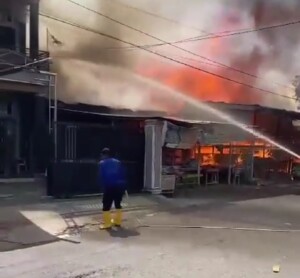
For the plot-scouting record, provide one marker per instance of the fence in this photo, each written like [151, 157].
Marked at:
[78, 153]
[10, 58]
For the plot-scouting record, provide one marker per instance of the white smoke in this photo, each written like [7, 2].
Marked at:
[111, 86]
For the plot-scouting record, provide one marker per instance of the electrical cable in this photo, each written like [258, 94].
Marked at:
[162, 56]
[168, 43]
[157, 16]
[173, 20]
[191, 39]
[216, 36]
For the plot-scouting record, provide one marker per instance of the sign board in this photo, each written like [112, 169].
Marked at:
[204, 134]
[181, 137]
[214, 134]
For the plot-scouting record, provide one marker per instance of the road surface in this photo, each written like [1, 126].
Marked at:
[172, 251]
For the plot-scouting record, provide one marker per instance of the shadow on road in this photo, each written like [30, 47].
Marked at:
[122, 232]
[19, 232]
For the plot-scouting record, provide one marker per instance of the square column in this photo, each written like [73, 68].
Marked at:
[154, 140]
[34, 29]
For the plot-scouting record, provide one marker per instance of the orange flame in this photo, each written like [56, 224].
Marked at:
[200, 85]
[209, 159]
[204, 86]
[209, 154]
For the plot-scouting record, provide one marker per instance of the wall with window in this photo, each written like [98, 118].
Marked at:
[13, 25]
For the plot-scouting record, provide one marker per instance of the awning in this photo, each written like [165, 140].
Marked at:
[26, 87]
[25, 81]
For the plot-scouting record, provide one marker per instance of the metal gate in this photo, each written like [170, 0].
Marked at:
[78, 152]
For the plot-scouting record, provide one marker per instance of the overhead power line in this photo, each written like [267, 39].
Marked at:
[159, 16]
[162, 55]
[171, 44]
[139, 10]
[216, 35]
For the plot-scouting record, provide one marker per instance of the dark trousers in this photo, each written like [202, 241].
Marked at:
[112, 195]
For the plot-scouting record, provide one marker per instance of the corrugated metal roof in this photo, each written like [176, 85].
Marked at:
[185, 117]
[142, 115]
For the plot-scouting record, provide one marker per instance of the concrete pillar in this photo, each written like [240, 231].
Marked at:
[21, 37]
[34, 29]
[39, 140]
[154, 139]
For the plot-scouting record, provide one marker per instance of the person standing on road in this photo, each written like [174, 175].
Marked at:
[112, 179]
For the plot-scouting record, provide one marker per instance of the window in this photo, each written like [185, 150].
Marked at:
[7, 38]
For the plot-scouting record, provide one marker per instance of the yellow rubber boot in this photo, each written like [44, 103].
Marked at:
[117, 221]
[106, 221]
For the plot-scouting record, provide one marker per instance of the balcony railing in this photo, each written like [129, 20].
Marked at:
[11, 58]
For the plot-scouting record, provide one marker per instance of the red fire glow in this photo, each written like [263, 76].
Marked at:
[201, 85]
[204, 86]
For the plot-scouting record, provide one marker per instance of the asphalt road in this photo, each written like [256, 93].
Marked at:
[176, 252]
[159, 253]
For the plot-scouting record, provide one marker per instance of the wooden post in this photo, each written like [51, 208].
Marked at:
[199, 165]
[230, 162]
[251, 172]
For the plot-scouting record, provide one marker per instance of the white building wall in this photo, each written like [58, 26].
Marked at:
[154, 138]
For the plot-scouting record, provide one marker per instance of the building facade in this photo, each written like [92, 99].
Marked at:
[24, 88]
[149, 145]
[223, 152]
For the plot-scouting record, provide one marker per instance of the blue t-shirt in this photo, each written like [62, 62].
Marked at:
[111, 173]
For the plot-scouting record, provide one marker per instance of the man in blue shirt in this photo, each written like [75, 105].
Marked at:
[112, 180]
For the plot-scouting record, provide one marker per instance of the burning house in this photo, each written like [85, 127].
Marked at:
[105, 97]
[158, 150]
[242, 77]
[226, 154]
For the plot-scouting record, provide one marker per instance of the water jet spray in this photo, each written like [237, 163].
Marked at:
[229, 119]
